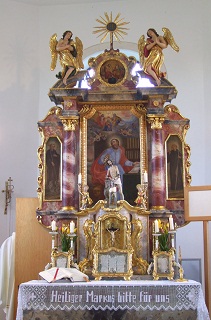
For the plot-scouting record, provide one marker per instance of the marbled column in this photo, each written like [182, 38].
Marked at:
[68, 171]
[69, 164]
[158, 182]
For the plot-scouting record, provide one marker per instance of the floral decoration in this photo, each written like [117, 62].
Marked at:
[65, 239]
[163, 238]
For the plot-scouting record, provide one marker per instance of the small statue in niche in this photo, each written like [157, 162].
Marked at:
[141, 199]
[113, 184]
[70, 54]
[151, 52]
[86, 201]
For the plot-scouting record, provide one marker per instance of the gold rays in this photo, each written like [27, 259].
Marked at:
[115, 28]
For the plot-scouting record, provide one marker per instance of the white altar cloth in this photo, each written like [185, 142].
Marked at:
[112, 295]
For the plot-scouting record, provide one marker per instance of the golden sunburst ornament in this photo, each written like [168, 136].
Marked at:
[115, 28]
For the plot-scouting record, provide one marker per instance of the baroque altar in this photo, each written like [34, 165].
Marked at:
[113, 157]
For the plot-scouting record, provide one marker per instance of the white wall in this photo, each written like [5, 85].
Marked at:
[25, 79]
[19, 104]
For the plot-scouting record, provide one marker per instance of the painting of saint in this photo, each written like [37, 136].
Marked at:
[175, 167]
[52, 169]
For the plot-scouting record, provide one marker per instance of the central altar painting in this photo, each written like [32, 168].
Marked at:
[112, 135]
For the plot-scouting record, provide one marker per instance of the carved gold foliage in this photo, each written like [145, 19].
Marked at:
[40, 152]
[172, 108]
[59, 112]
[137, 225]
[138, 109]
[139, 265]
[187, 165]
[92, 62]
[90, 240]
[156, 103]
[52, 111]
[68, 104]
[185, 129]
[87, 111]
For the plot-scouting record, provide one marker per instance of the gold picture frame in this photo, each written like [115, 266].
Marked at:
[61, 259]
[112, 72]
[113, 263]
[163, 265]
[96, 139]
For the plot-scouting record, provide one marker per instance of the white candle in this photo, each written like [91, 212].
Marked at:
[156, 226]
[53, 225]
[145, 177]
[72, 227]
[79, 178]
[171, 223]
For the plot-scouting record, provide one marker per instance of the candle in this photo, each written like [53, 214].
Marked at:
[145, 177]
[156, 226]
[53, 225]
[72, 227]
[79, 178]
[171, 223]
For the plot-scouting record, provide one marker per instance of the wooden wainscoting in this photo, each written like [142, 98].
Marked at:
[32, 245]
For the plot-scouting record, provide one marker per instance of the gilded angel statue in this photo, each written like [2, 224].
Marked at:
[70, 54]
[151, 52]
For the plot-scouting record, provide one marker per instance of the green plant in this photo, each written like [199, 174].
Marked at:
[65, 239]
[163, 238]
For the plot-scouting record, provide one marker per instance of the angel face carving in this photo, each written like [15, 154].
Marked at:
[67, 35]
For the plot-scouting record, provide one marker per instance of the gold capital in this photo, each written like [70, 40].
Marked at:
[156, 121]
[70, 123]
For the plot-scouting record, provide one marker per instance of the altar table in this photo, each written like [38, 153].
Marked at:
[111, 299]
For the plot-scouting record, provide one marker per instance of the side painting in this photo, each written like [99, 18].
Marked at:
[175, 168]
[52, 182]
[113, 147]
